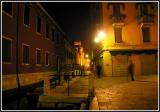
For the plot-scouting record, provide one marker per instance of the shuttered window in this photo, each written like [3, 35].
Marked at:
[118, 34]
[146, 34]
[116, 9]
[143, 9]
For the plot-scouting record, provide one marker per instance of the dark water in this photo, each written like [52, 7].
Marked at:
[28, 102]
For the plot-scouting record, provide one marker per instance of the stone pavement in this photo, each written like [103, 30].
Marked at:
[78, 93]
[119, 93]
[78, 85]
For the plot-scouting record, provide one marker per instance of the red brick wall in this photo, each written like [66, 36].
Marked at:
[28, 35]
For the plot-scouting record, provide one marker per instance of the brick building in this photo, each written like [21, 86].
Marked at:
[33, 45]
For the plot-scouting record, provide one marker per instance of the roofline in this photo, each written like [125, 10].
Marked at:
[47, 14]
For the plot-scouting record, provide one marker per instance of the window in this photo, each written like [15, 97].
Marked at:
[57, 38]
[116, 9]
[6, 50]
[25, 54]
[143, 9]
[26, 14]
[47, 31]
[53, 60]
[38, 24]
[47, 58]
[53, 31]
[7, 7]
[38, 55]
[118, 34]
[146, 34]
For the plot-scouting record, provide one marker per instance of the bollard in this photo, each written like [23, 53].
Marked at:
[91, 85]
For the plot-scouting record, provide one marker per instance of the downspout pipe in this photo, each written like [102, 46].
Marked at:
[17, 59]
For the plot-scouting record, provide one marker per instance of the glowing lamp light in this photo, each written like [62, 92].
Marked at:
[101, 35]
[96, 40]
[86, 56]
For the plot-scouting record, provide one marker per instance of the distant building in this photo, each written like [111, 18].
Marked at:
[33, 45]
[79, 64]
[131, 33]
[79, 53]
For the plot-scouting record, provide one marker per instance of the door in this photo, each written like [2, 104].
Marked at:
[120, 65]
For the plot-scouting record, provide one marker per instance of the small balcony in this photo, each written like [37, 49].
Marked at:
[118, 18]
[145, 18]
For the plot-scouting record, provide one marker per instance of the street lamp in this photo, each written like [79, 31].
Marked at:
[96, 39]
[86, 55]
[101, 35]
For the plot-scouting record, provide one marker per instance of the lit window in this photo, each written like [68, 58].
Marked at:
[6, 50]
[118, 34]
[38, 55]
[25, 54]
[26, 14]
[146, 34]
[7, 7]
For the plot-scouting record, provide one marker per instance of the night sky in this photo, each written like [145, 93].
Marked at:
[73, 18]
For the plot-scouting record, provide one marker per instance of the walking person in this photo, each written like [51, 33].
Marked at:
[130, 68]
[98, 70]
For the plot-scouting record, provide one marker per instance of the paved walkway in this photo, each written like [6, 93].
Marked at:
[118, 93]
[78, 85]
[78, 93]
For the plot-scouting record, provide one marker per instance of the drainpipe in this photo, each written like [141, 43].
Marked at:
[17, 61]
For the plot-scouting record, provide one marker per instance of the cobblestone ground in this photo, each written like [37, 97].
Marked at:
[119, 93]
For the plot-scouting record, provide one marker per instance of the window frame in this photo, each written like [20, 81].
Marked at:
[23, 44]
[37, 25]
[57, 37]
[39, 64]
[48, 59]
[10, 61]
[119, 12]
[6, 13]
[148, 41]
[24, 15]
[47, 31]
[116, 35]
[53, 35]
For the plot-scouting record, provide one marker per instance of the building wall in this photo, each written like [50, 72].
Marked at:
[129, 36]
[32, 73]
[132, 40]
